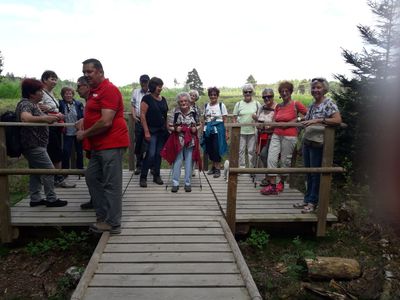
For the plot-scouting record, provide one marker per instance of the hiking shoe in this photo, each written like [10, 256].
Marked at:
[158, 180]
[269, 190]
[188, 188]
[143, 182]
[101, 227]
[87, 205]
[280, 186]
[57, 203]
[175, 189]
[37, 203]
[217, 173]
[211, 172]
[65, 184]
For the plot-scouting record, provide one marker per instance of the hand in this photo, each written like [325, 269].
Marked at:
[310, 122]
[178, 128]
[147, 136]
[254, 116]
[60, 116]
[193, 129]
[79, 124]
[80, 135]
[51, 119]
[227, 135]
[44, 107]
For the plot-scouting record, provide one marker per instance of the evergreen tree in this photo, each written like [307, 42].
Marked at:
[194, 82]
[1, 63]
[373, 66]
[251, 80]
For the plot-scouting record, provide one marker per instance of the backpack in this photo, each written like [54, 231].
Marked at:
[13, 140]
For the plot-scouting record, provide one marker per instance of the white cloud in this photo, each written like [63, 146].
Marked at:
[225, 41]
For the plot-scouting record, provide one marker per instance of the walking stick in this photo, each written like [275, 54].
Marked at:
[169, 176]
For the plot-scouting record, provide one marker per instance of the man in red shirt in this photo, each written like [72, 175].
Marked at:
[106, 135]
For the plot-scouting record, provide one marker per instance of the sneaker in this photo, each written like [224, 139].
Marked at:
[57, 203]
[265, 182]
[211, 172]
[269, 190]
[37, 203]
[87, 205]
[217, 173]
[309, 208]
[101, 227]
[143, 182]
[175, 189]
[65, 184]
[188, 188]
[158, 180]
[280, 186]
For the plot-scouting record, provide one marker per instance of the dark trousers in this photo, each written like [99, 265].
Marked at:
[69, 142]
[139, 144]
[212, 147]
[153, 157]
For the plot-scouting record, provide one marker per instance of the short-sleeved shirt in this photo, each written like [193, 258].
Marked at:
[137, 96]
[156, 115]
[244, 111]
[190, 119]
[49, 100]
[324, 110]
[32, 137]
[106, 96]
[214, 113]
[288, 113]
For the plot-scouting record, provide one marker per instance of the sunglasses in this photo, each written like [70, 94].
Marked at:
[247, 92]
[267, 97]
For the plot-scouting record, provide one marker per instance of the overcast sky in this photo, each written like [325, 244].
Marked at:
[225, 40]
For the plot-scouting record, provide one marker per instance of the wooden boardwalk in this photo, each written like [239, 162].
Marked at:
[253, 207]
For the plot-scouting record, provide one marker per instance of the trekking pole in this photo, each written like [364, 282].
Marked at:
[201, 187]
[169, 176]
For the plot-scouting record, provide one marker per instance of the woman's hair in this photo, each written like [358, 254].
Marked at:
[30, 86]
[248, 87]
[196, 93]
[181, 95]
[285, 85]
[48, 74]
[213, 89]
[268, 90]
[323, 81]
[66, 89]
[155, 82]
[83, 81]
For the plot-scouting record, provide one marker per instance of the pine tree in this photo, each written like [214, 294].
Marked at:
[194, 82]
[1, 63]
[251, 80]
[373, 66]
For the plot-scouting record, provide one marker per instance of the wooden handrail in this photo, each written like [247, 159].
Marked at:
[322, 170]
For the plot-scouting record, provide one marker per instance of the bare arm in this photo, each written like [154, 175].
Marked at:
[102, 125]
[29, 118]
[143, 111]
[334, 119]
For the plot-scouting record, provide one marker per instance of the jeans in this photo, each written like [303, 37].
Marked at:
[104, 180]
[39, 159]
[153, 157]
[139, 144]
[176, 171]
[69, 142]
[312, 157]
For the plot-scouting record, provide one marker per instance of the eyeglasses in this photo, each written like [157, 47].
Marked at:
[268, 97]
[247, 92]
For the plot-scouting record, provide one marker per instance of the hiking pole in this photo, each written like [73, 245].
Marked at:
[201, 187]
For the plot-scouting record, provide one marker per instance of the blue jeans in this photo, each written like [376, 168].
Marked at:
[312, 157]
[153, 157]
[176, 171]
[104, 180]
[69, 142]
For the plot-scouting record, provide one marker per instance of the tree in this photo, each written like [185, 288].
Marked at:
[176, 83]
[1, 63]
[360, 95]
[301, 89]
[251, 80]
[194, 82]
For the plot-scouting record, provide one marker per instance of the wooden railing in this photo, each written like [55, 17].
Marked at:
[326, 171]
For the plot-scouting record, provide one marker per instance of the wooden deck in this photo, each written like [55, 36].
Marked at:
[253, 207]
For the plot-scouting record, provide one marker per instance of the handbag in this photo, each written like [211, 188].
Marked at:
[314, 134]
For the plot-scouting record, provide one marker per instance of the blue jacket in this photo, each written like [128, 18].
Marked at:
[78, 107]
[222, 145]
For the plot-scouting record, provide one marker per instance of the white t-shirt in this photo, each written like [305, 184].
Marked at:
[214, 112]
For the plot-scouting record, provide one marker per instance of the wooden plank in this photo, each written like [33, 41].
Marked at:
[174, 248]
[166, 280]
[271, 218]
[167, 268]
[173, 293]
[205, 239]
[171, 224]
[170, 218]
[168, 257]
[171, 231]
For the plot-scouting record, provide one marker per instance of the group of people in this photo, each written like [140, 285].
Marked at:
[100, 129]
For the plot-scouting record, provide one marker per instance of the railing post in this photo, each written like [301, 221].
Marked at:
[326, 179]
[6, 231]
[132, 138]
[232, 181]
